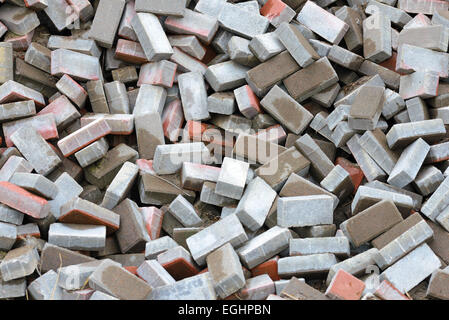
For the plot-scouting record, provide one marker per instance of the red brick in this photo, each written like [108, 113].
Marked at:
[269, 267]
[180, 268]
[344, 286]
[354, 171]
[386, 291]
[23, 201]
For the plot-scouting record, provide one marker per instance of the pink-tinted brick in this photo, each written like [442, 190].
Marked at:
[130, 51]
[152, 218]
[45, 124]
[386, 291]
[172, 120]
[23, 201]
[83, 137]
[344, 286]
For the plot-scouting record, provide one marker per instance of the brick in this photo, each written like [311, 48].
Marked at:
[35, 183]
[125, 28]
[419, 6]
[266, 46]
[97, 96]
[85, 46]
[226, 75]
[7, 64]
[19, 20]
[155, 247]
[70, 88]
[314, 78]
[157, 73]
[194, 96]
[169, 158]
[420, 263]
[98, 295]
[178, 263]
[335, 245]
[403, 244]
[117, 97]
[367, 196]
[109, 273]
[386, 291]
[208, 195]
[193, 23]
[364, 116]
[68, 189]
[104, 32]
[380, 217]
[303, 211]
[357, 265]
[401, 135]
[252, 211]
[228, 229]
[279, 67]
[104, 171]
[63, 110]
[287, 111]
[10, 215]
[377, 38]
[199, 287]
[305, 265]
[403, 173]
[345, 286]
[121, 124]
[277, 170]
[375, 144]
[184, 212]
[253, 25]
[160, 7]
[412, 58]
[339, 182]
[54, 257]
[13, 288]
[132, 234]
[92, 153]
[77, 236]
[130, 51]
[90, 69]
[320, 164]
[193, 175]
[430, 37]
[189, 44]
[8, 235]
[152, 217]
[38, 56]
[45, 287]
[311, 13]
[438, 285]
[154, 274]
[354, 35]
[172, 120]
[232, 178]
[83, 137]
[81, 211]
[299, 290]
[11, 91]
[428, 179]
[396, 16]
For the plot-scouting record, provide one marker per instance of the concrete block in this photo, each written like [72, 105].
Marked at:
[226, 75]
[403, 134]
[339, 182]
[80, 211]
[402, 245]
[92, 153]
[169, 158]
[253, 25]
[104, 32]
[221, 103]
[311, 12]
[132, 234]
[438, 285]
[225, 230]
[109, 273]
[232, 178]
[19, 20]
[395, 15]
[266, 46]
[429, 37]
[90, 69]
[35, 183]
[194, 23]
[155, 247]
[154, 274]
[406, 169]
[77, 236]
[160, 7]
[54, 257]
[83, 137]
[199, 287]
[303, 211]
[428, 179]
[412, 58]
[320, 164]
[129, 51]
[335, 245]
[8, 235]
[74, 277]
[189, 44]
[293, 115]
[420, 263]
[255, 204]
[301, 85]
[194, 96]
[279, 67]
[306, 265]
[354, 35]
[295, 289]
[45, 287]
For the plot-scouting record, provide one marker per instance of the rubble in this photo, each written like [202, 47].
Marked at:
[224, 150]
